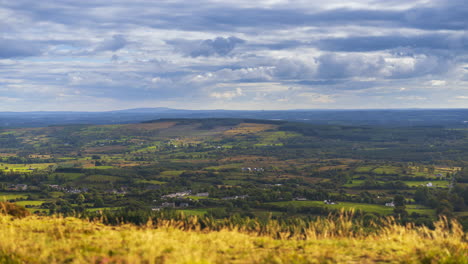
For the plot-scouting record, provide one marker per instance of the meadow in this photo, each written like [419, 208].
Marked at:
[35, 239]
[342, 205]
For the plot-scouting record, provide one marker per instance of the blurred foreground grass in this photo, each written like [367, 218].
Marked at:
[34, 239]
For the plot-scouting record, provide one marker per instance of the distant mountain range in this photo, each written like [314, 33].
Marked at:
[399, 117]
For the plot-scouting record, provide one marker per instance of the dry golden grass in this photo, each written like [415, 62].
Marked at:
[51, 240]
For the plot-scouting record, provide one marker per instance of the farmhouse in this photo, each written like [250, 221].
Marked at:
[248, 169]
[235, 197]
[177, 195]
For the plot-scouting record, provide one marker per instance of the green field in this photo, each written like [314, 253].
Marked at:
[195, 212]
[101, 167]
[225, 166]
[31, 203]
[65, 176]
[151, 182]
[56, 194]
[102, 208]
[386, 170]
[443, 184]
[364, 169]
[412, 208]
[354, 183]
[12, 196]
[103, 178]
[372, 208]
[24, 168]
[171, 173]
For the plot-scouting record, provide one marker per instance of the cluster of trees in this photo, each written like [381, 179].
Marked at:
[445, 202]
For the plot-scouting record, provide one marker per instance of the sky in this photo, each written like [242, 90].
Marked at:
[97, 55]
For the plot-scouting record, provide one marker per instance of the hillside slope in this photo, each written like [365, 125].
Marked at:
[69, 240]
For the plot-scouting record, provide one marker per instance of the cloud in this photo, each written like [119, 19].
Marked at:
[14, 48]
[438, 82]
[373, 43]
[116, 43]
[203, 48]
[333, 66]
[316, 98]
[227, 95]
[284, 54]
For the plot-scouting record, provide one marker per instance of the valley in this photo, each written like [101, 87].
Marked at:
[245, 167]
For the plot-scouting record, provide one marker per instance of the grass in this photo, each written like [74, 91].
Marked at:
[151, 182]
[443, 184]
[101, 167]
[354, 183]
[364, 169]
[67, 176]
[35, 239]
[171, 173]
[233, 182]
[56, 194]
[103, 178]
[102, 209]
[420, 209]
[386, 170]
[372, 208]
[32, 203]
[193, 212]
[12, 196]
[224, 166]
[24, 167]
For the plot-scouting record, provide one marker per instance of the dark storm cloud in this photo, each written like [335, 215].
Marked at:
[195, 48]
